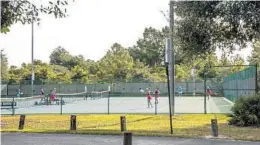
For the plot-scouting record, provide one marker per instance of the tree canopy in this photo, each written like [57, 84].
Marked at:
[22, 11]
[202, 26]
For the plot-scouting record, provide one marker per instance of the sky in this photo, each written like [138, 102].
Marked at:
[90, 30]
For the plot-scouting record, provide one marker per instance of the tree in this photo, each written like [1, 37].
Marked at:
[116, 64]
[4, 66]
[224, 60]
[202, 26]
[19, 11]
[255, 59]
[238, 60]
[14, 74]
[60, 56]
[150, 48]
[140, 72]
[255, 55]
[78, 73]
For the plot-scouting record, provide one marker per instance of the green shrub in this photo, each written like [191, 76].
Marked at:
[246, 111]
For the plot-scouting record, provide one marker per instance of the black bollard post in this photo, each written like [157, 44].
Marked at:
[73, 122]
[214, 127]
[21, 122]
[123, 123]
[127, 138]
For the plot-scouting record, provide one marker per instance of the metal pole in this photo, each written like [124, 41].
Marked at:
[32, 79]
[171, 58]
[61, 105]
[170, 108]
[1, 65]
[13, 111]
[167, 54]
[108, 102]
[193, 76]
[256, 73]
[205, 92]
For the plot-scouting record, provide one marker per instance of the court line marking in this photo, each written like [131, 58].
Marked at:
[232, 103]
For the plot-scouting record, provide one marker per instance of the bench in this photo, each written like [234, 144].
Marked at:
[8, 105]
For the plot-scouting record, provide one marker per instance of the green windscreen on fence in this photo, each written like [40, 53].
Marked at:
[242, 83]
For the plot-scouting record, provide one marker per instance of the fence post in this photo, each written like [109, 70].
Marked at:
[61, 102]
[256, 79]
[73, 122]
[108, 102]
[155, 106]
[123, 123]
[205, 93]
[21, 122]
[214, 127]
[127, 138]
[13, 109]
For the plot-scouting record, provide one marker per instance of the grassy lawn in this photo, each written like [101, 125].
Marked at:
[152, 125]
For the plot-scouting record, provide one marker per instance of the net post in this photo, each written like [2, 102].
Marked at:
[13, 111]
[61, 105]
[205, 93]
[108, 101]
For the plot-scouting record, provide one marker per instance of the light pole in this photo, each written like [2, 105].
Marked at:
[1, 64]
[167, 52]
[172, 57]
[32, 45]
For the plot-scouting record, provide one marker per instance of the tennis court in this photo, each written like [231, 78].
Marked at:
[123, 105]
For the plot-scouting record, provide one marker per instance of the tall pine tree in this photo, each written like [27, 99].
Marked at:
[255, 55]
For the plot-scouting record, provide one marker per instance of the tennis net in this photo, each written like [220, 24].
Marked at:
[73, 97]
[23, 102]
[98, 94]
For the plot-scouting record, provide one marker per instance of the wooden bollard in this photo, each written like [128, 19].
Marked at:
[21, 122]
[214, 127]
[73, 122]
[123, 123]
[127, 138]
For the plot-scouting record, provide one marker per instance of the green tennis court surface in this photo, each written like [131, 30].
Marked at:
[123, 105]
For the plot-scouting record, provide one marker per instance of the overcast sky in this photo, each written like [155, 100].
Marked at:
[91, 28]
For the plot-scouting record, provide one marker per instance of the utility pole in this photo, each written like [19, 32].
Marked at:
[167, 54]
[32, 78]
[171, 58]
[1, 63]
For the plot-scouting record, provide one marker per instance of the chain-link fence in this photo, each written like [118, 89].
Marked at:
[126, 97]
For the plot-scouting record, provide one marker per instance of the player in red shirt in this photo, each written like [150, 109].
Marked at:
[149, 98]
[156, 92]
[209, 92]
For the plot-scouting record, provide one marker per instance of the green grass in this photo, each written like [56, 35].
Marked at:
[196, 126]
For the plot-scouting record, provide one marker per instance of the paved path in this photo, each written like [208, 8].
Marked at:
[75, 139]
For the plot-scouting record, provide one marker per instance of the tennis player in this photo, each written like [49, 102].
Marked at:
[180, 91]
[141, 90]
[18, 92]
[149, 98]
[209, 92]
[52, 95]
[156, 92]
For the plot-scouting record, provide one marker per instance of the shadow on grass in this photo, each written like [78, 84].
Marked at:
[114, 124]
[225, 132]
